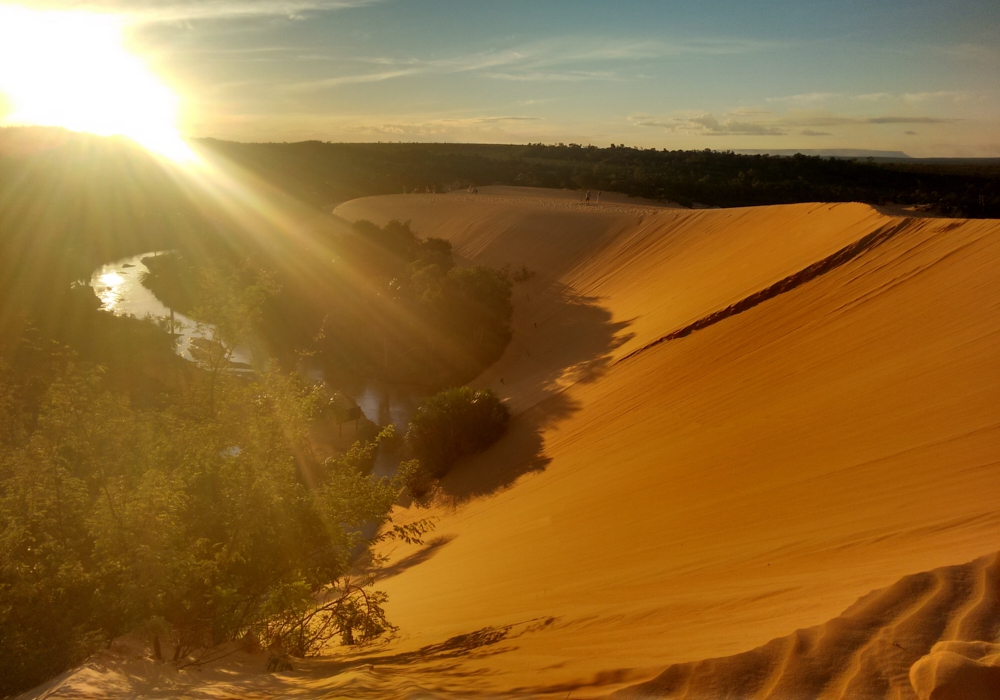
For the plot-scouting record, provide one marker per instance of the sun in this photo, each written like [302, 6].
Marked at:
[71, 69]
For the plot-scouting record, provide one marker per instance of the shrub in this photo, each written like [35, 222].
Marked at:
[193, 524]
[455, 423]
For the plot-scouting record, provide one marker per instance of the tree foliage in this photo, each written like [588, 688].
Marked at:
[195, 521]
[453, 424]
[414, 315]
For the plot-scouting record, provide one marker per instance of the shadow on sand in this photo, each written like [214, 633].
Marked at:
[428, 550]
[569, 340]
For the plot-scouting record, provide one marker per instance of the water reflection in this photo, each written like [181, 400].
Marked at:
[119, 287]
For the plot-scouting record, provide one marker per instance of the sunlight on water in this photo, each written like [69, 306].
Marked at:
[109, 290]
[119, 287]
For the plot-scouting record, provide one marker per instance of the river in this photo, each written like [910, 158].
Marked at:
[119, 286]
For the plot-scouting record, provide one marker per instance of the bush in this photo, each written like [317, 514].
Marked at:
[195, 523]
[455, 423]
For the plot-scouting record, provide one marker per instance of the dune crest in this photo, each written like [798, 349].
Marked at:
[812, 417]
[883, 646]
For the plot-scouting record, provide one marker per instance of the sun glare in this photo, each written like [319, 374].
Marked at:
[71, 69]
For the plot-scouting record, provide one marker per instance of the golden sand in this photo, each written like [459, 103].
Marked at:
[729, 425]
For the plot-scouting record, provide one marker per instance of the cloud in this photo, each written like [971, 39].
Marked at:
[951, 95]
[907, 120]
[494, 120]
[708, 125]
[568, 76]
[351, 79]
[458, 64]
[872, 96]
[489, 120]
[440, 128]
[909, 97]
[734, 128]
[180, 10]
[971, 52]
[557, 59]
[835, 120]
[748, 112]
[807, 97]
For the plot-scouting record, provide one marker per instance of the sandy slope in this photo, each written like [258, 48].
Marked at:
[719, 490]
[730, 425]
[875, 648]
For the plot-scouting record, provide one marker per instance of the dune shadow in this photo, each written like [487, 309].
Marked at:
[571, 342]
[476, 644]
[427, 551]
[437, 668]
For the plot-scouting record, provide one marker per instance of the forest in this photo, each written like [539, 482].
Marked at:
[325, 174]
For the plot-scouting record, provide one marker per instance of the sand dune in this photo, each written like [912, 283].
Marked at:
[729, 425]
[716, 491]
[884, 646]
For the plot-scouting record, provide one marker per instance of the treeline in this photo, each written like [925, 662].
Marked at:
[324, 174]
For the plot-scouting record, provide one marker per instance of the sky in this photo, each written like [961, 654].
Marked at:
[916, 76]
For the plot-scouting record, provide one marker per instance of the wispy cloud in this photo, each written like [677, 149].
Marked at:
[814, 98]
[441, 127]
[971, 52]
[458, 64]
[948, 95]
[708, 125]
[179, 10]
[490, 120]
[547, 76]
[807, 97]
[559, 59]
[836, 120]
[805, 125]
[352, 79]
[748, 112]
[872, 96]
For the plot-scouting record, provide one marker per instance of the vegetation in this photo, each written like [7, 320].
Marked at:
[197, 519]
[326, 173]
[428, 321]
[391, 306]
[453, 424]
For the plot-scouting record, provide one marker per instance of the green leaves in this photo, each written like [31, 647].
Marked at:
[192, 526]
[453, 424]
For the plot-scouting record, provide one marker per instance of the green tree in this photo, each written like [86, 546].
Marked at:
[453, 424]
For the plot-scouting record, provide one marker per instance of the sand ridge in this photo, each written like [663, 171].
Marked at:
[884, 645]
[828, 427]
[722, 489]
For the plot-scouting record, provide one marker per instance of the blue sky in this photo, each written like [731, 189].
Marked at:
[921, 77]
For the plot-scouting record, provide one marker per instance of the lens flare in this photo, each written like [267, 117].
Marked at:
[71, 69]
